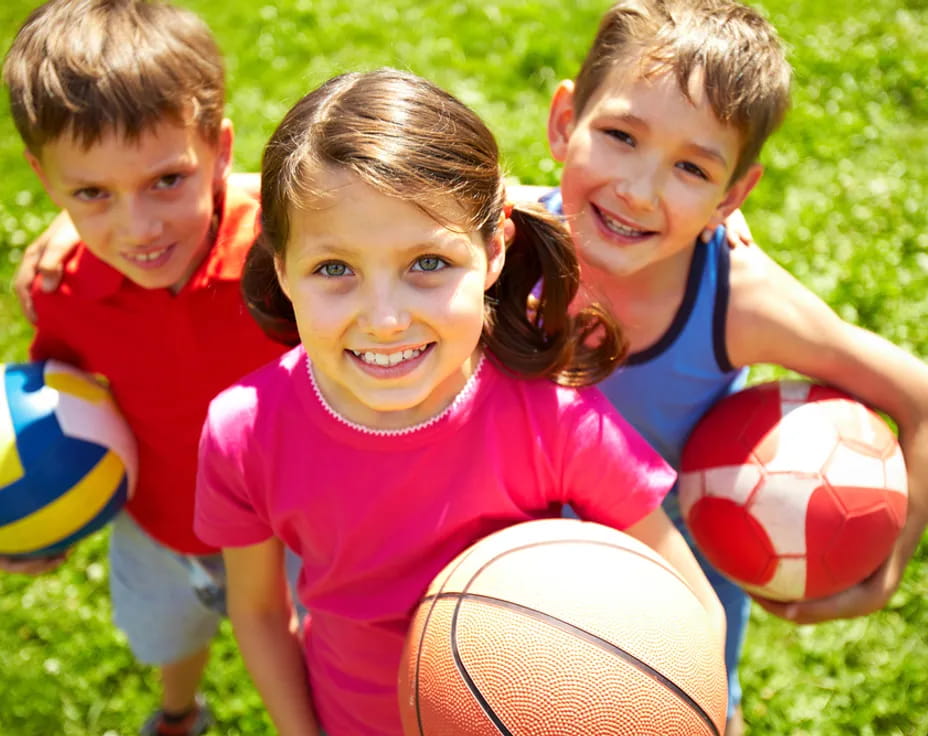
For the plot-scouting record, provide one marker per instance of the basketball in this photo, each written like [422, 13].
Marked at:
[792, 489]
[67, 458]
[561, 627]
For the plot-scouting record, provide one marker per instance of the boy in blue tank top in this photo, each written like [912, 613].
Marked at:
[659, 137]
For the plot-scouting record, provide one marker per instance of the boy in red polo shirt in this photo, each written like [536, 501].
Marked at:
[120, 106]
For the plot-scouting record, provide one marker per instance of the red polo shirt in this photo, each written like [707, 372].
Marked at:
[165, 355]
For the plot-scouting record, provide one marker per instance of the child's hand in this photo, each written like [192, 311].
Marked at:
[32, 566]
[737, 231]
[863, 599]
[44, 258]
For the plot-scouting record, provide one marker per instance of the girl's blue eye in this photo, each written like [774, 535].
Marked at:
[429, 264]
[333, 269]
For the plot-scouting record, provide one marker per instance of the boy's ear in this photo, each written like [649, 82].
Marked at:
[561, 119]
[736, 195]
[223, 165]
[36, 166]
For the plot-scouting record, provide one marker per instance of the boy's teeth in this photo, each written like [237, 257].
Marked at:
[619, 228]
[387, 359]
[149, 256]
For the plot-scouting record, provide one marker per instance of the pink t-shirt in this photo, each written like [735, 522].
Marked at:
[375, 515]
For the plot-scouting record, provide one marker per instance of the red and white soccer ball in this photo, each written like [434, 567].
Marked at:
[792, 489]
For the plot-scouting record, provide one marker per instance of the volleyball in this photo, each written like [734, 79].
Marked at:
[793, 489]
[67, 458]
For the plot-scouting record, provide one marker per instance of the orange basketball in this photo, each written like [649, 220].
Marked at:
[561, 628]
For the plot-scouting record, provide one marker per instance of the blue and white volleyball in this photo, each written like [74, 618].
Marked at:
[68, 461]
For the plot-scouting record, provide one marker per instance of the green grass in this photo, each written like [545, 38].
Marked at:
[842, 205]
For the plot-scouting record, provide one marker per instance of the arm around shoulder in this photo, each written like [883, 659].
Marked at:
[772, 318]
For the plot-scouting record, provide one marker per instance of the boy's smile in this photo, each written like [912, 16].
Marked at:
[143, 206]
[645, 170]
[388, 301]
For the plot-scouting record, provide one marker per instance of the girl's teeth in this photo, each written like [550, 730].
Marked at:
[387, 359]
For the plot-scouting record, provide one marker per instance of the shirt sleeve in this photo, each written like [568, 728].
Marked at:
[45, 346]
[228, 511]
[49, 341]
[611, 474]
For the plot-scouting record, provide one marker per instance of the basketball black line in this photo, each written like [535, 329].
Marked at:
[621, 653]
[425, 625]
[570, 628]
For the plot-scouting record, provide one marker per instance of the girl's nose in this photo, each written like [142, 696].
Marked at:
[384, 315]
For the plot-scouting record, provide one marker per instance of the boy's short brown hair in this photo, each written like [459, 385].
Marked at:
[87, 67]
[746, 75]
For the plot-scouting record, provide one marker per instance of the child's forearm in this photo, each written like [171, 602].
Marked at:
[678, 554]
[656, 531]
[774, 319]
[274, 658]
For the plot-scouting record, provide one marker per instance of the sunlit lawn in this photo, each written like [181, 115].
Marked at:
[842, 205]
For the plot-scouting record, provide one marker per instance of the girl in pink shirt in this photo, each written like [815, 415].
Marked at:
[422, 408]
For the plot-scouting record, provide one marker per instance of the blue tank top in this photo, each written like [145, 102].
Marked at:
[666, 388]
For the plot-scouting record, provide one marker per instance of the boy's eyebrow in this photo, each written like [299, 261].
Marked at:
[176, 163]
[709, 152]
[702, 150]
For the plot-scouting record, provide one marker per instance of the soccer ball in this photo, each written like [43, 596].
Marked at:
[792, 489]
[67, 458]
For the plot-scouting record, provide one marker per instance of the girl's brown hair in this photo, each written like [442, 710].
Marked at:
[409, 139]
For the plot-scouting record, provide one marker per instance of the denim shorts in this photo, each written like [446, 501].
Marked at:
[169, 605]
[735, 601]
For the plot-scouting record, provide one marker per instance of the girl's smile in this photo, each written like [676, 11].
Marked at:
[391, 363]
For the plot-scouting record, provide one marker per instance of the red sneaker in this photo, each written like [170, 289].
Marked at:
[195, 723]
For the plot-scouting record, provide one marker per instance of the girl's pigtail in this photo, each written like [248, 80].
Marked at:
[266, 301]
[532, 330]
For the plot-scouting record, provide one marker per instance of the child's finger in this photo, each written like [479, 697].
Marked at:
[31, 566]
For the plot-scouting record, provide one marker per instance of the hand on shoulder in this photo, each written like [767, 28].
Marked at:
[44, 259]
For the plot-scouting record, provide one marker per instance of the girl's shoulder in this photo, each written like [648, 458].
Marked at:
[269, 386]
[560, 410]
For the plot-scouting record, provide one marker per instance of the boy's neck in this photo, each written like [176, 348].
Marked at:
[644, 302]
